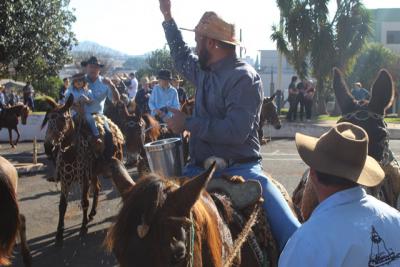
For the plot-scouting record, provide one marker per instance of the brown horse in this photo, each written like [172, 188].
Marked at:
[174, 223]
[269, 114]
[12, 222]
[76, 161]
[9, 120]
[370, 116]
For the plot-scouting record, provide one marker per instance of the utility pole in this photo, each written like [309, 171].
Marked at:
[240, 39]
[272, 85]
[280, 55]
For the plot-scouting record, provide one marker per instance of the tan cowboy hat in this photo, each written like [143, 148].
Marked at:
[144, 79]
[78, 76]
[153, 79]
[213, 26]
[343, 152]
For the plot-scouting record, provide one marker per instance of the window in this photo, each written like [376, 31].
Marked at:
[393, 37]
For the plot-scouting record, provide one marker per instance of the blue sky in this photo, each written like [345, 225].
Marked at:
[134, 26]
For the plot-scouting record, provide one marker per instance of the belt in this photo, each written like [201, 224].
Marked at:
[231, 162]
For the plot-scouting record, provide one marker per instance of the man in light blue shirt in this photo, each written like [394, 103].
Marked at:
[101, 88]
[164, 96]
[348, 228]
[359, 93]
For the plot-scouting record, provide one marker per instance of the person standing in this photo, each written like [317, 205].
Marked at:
[301, 87]
[28, 95]
[292, 99]
[133, 86]
[63, 89]
[308, 99]
[176, 82]
[226, 116]
[143, 96]
[349, 227]
[279, 99]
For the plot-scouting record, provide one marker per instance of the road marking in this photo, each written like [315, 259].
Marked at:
[284, 159]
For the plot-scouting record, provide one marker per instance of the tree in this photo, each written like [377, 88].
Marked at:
[35, 37]
[314, 44]
[135, 63]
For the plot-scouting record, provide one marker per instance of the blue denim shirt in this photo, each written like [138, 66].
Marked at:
[360, 94]
[77, 93]
[100, 92]
[227, 107]
[344, 231]
[160, 98]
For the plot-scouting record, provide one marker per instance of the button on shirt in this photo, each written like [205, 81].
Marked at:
[100, 92]
[349, 229]
[161, 98]
[227, 107]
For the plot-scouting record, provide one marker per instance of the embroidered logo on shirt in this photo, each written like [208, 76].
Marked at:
[380, 255]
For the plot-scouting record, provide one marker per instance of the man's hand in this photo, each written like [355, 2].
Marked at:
[177, 122]
[165, 7]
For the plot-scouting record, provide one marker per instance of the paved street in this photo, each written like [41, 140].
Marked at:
[39, 202]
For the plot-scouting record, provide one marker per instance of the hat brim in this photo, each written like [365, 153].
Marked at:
[371, 174]
[164, 78]
[85, 63]
[235, 43]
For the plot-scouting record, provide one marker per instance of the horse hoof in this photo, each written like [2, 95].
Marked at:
[27, 260]
[59, 242]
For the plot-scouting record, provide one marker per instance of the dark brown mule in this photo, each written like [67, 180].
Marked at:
[75, 160]
[12, 222]
[163, 223]
[269, 114]
[369, 116]
[9, 120]
[187, 108]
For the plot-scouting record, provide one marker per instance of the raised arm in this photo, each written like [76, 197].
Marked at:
[185, 61]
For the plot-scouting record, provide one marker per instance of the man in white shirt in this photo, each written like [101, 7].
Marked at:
[348, 227]
[133, 87]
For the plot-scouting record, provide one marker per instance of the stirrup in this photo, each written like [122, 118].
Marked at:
[242, 195]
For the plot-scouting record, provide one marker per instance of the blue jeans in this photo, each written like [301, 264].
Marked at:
[92, 124]
[280, 216]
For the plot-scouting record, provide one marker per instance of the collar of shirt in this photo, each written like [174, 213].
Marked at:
[340, 198]
[222, 63]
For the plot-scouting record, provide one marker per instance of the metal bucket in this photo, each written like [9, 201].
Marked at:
[165, 156]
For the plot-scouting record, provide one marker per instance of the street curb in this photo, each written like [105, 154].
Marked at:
[289, 130]
[29, 168]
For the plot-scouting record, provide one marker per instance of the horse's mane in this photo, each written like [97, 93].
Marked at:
[154, 126]
[17, 107]
[143, 201]
[10, 211]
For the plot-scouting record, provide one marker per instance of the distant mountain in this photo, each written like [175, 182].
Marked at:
[88, 47]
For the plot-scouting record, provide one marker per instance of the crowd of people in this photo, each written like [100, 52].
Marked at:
[301, 96]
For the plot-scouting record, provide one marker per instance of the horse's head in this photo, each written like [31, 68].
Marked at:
[159, 223]
[134, 130]
[59, 120]
[269, 112]
[24, 114]
[188, 107]
[370, 114]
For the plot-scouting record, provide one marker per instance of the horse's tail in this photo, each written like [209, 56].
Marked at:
[10, 222]
[153, 125]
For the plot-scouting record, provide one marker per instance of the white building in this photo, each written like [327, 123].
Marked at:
[386, 27]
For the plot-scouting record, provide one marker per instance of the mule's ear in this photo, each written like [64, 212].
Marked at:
[272, 97]
[51, 102]
[343, 96]
[68, 104]
[382, 93]
[184, 198]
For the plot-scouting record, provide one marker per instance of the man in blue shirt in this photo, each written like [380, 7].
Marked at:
[163, 96]
[102, 88]
[348, 228]
[360, 94]
[229, 96]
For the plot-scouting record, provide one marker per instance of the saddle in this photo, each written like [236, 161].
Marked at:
[241, 193]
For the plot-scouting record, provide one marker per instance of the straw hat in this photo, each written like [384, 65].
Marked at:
[78, 76]
[153, 79]
[213, 26]
[343, 152]
[177, 78]
[144, 80]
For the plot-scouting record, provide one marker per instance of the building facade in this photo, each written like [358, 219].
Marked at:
[386, 27]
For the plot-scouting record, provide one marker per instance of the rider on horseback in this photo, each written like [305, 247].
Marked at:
[102, 88]
[2, 100]
[82, 98]
[229, 96]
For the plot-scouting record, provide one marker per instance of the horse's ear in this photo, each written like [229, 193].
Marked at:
[51, 102]
[343, 96]
[68, 104]
[272, 97]
[382, 93]
[182, 200]
[44, 122]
